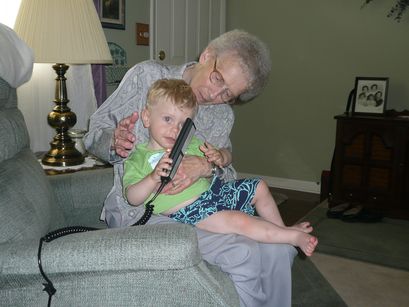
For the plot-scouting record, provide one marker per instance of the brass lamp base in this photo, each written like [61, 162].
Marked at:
[63, 151]
[66, 156]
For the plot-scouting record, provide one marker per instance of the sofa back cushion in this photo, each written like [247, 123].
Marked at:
[25, 198]
[27, 206]
[13, 131]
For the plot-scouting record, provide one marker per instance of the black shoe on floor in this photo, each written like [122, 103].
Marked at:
[337, 211]
[358, 214]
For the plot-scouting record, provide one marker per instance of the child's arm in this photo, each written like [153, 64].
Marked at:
[138, 192]
[220, 157]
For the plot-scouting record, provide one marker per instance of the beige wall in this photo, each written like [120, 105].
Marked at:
[318, 48]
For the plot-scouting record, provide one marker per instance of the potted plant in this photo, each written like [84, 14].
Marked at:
[397, 10]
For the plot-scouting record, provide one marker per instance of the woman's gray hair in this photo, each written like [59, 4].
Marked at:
[254, 57]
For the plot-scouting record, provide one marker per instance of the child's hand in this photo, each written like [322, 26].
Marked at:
[213, 155]
[162, 168]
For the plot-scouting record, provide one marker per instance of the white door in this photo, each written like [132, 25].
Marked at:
[181, 29]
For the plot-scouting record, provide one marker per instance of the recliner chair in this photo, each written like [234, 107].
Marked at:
[157, 265]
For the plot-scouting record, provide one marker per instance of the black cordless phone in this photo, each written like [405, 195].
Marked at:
[179, 149]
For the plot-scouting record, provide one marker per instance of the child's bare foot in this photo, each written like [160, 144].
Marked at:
[303, 226]
[307, 243]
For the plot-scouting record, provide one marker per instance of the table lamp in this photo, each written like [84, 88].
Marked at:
[62, 31]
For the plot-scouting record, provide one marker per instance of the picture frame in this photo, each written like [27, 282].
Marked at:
[112, 14]
[370, 95]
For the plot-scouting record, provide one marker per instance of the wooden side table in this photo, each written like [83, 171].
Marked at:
[91, 163]
[371, 163]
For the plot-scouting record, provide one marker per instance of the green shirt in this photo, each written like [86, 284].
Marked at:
[142, 162]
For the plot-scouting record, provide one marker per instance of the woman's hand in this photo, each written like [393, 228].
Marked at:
[190, 170]
[124, 138]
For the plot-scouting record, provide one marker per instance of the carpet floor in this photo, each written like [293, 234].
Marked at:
[357, 283]
[385, 243]
[310, 288]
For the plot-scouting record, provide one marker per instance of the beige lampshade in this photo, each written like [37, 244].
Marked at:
[63, 31]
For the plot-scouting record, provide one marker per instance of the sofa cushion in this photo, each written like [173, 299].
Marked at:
[27, 205]
[13, 131]
[8, 95]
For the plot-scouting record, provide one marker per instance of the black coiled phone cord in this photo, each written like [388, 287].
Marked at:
[48, 285]
[149, 206]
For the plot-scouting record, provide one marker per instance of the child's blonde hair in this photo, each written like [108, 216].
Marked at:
[175, 90]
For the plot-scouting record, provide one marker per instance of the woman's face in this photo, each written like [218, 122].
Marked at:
[206, 91]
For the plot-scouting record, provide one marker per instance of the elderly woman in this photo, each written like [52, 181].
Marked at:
[235, 66]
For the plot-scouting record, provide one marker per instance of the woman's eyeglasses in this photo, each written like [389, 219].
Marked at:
[217, 79]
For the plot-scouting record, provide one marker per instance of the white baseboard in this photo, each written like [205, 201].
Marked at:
[288, 184]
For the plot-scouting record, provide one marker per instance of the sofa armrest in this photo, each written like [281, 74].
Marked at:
[81, 195]
[151, 247]
[159, 265]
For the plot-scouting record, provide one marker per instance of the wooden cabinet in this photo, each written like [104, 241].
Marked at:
[371, 163]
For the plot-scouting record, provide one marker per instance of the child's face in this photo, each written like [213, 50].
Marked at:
[164, 122]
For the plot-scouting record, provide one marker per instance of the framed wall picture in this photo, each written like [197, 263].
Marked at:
[370, 95]
[112, 13]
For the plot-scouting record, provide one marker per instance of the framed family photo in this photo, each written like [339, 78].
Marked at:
[370, 95]
[112, 13]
